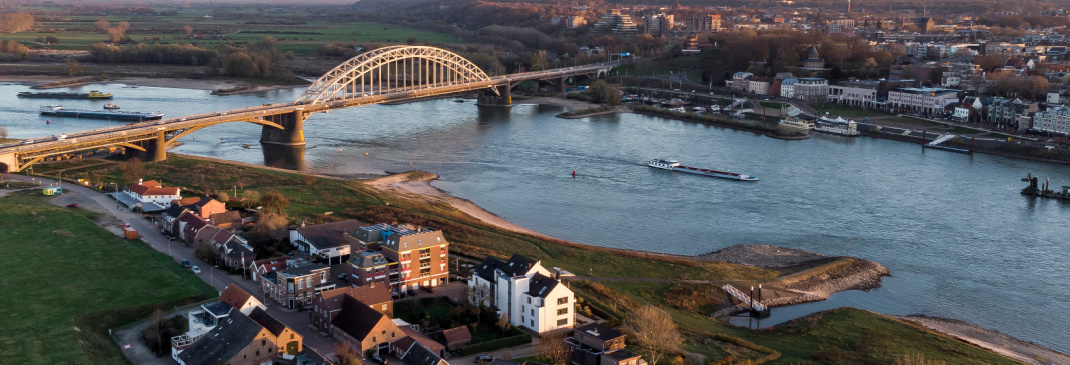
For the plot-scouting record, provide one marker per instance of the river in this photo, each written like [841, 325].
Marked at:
[959, 239]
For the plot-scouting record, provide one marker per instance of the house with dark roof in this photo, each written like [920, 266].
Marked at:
[287, 341]
[328, 303]
[456, 338]
[364, 329]
[188, 226]
[328, 240]
[595, 344]
[203, 206]
[524, 290]
[260, 267]
[413, 332]
[417, 354]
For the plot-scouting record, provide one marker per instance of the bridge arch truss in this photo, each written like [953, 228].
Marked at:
[390, 69]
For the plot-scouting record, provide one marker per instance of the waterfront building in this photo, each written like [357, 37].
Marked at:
[740, 81]
[787, 87]
[525, 291]
[759, 85]
[1055, 120]
[811, 89]
[1006, 114]
[860, 93]
[409, 257]
[616, 22]
[926, 101]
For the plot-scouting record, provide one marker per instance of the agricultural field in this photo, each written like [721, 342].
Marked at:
[299, 33]
[67, 281]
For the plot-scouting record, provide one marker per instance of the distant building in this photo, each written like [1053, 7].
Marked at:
[658, 24]
[814, 61]
[924, 24]
[149, 194]
[1055, 120]
[1008, 114]
[328, 303]
[575, 22]
[525, 291]
[704, 24]
[811, 89]
[740, 81]
[759, 85]
[595, 344]
[614, 21]
[860, 94]
[414, 256]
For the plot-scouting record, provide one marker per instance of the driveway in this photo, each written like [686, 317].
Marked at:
[150, 234]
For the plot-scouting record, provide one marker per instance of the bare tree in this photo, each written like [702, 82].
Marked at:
[655, 332]
[552, 348]
[156, 329]
[345, 355]
[3, 132]
[480, 297]
[188, 29]
[73, 68]
[274, 200]
[133, 169]
[270, 227]
[252, 198]
[103, 25]
[503, 323]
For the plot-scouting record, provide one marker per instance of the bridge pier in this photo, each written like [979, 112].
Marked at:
[8, 163]
[155, 149]
[292, 135]
[559, 85]
[504, 97]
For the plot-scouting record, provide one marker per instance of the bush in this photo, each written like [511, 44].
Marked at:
[501, 343]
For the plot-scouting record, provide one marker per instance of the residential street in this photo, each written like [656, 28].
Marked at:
[101, 203]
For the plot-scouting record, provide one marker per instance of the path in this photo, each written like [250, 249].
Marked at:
[150, 234]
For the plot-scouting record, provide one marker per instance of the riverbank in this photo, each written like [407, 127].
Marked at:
[771, 132]
[1026, 352]
[221, 86]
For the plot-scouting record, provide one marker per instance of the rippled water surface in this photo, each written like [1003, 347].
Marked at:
[959, 239]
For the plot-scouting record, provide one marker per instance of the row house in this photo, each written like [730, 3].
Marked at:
[525, 291]
[295, 287]
[331, 241]
[926, 101]
[405, 256]
[595, 344]
[256, 338]
[363, 329]
[759, 85]
[1006, 114]
[811, 89]
[260, 267]
[1055, 120]
[969, 110]
[329, 302]
[740, 81]
[206, 316]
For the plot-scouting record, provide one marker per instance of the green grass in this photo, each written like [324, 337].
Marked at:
[66, 281]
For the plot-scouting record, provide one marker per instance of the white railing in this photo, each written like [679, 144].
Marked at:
[746, 299]
[184, 340]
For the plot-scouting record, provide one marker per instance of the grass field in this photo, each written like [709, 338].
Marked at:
[76, 32]
[66, 281]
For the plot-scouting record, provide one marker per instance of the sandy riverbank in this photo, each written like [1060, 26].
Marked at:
[417, 186]
[994, 341]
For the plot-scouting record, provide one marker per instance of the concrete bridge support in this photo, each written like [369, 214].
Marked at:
[292, 135]
[8, 163]
[155, 149]
[504, 97]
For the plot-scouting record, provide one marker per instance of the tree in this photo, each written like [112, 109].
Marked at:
[188, 29]
[252, 197]
[73, 68]
[103, 25]
[52, 39]
[156, 330]
[222, 196]
[602, 92]
[274, 200]
[124, 26]
[116, 35]
[552, 348]
[655, 332]
[345, 355]
[3, 132]
[480, 297]
[503, 324]
[270, 228]
[133, 170]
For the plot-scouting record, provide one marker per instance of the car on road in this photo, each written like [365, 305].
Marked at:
[185, 263]
[483, 359]
[379, 360]
[72, 205]
[196, 270]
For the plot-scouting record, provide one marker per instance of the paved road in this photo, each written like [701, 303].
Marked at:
[98, 202]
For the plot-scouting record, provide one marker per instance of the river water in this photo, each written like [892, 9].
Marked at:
[959, 239]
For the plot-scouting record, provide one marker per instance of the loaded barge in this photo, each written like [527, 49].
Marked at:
[60, 111]
[1042, 190]
[673, 165]
[93, 95]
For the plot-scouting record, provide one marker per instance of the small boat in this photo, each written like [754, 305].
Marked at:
[673, 165]
[698, 108]
[715, 108]
[796, 122]
[458, 100]
[111, 106]
[838, 126]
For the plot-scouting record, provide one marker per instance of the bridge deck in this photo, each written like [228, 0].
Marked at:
[746, 299]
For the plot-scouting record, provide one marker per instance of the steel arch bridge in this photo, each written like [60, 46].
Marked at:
[384, 75]
[406, 68]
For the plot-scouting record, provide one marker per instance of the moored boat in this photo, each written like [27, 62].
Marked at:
[838, 126]
[111, 106]
[60, 111]
[65, 95]
[796, 122]
[673, 165]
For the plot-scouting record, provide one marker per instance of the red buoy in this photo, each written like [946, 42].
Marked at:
[573, 173]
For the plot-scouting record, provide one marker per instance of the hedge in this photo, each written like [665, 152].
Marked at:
[500, 343]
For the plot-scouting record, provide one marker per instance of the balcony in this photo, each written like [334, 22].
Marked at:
[181, 342]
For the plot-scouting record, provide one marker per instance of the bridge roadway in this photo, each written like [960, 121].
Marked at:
[16, 157]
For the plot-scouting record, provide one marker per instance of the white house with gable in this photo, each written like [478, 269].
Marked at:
[524, 290]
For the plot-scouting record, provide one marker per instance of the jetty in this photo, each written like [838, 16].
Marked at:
[757, 309]
[935, 144]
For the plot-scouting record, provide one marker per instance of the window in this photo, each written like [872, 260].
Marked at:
[300, 284]
[562, 300]
[532, 312]
[263, 342]
[323, 276]
[529, 300]
[291, 336]
[562, 311]
[562, 322]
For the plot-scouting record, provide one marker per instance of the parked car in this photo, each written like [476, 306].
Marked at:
[185, 263]
[72, 205]
[483, 359]
[341, 277]
[379, 360]
[196, 270]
